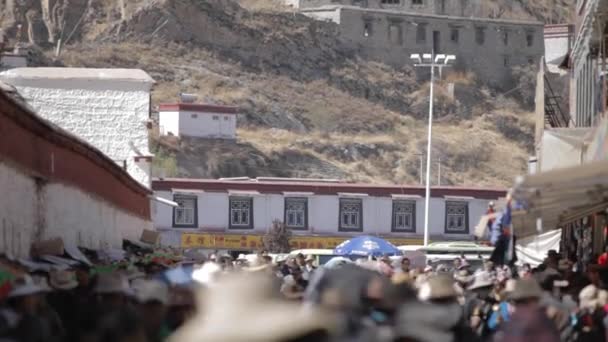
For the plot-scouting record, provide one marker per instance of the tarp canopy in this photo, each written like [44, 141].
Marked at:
[560, 196]
[533, 250]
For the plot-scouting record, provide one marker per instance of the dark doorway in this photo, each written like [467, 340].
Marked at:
[436, 41]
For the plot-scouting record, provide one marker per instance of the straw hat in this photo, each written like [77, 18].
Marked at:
[112, 283]
[243, 307]
[25, 286]
[437, 287]
[480, 281]
[151, 291]
[526, 288]
[63, 280]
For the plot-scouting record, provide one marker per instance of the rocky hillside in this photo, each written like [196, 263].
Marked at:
[310, 106]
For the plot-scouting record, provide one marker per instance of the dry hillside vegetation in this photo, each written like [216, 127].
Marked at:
[310, 107]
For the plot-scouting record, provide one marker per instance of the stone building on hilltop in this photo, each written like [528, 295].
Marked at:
[488, 47]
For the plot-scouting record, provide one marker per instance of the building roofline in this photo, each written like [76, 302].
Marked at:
[69, 74]
[55, 134]
[196, 107]
[422, 15]
[323, 188]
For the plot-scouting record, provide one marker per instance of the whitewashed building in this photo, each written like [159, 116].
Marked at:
[56, 185]
[108, 108]
[197, 120]
[316, 208]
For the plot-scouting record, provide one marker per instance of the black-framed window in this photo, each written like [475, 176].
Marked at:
[456, 217]
[351, 214]
[417, 2]
[185, 215]
[404, 216]
[296, 213]
[241, 213]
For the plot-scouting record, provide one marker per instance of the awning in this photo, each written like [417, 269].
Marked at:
[560, 196]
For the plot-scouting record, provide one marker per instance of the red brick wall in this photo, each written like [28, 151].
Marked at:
[54, 155]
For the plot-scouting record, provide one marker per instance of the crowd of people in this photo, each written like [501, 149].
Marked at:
[294, 299]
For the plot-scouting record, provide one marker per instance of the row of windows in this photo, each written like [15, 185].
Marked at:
[397, 2]
[350, 214]
[395, 33]
[215, 117]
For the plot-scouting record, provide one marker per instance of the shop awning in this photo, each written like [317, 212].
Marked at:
[560, 196]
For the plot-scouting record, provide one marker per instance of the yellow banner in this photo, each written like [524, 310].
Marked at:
[254, 242]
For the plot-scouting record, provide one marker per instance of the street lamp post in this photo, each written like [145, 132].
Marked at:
[432, 61]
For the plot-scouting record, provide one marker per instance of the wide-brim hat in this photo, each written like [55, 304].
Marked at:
[112, 283]
[63, 280]
[525, 288]
[247, 300]
[151, 291]
[440, 286]
[26, 286]
[480, 282]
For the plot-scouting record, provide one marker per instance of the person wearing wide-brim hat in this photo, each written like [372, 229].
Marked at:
[525, 291]
[438, 317]
[112, 290]
[438, 287]
[243, 307]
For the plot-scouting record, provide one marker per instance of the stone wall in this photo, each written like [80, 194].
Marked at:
[490, 48]
[109, 116]
[463, 8]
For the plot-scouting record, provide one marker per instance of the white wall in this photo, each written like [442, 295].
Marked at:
[17, 211]
[56, 210]
[198, 124]
[168, 123]
[323, 211]
[110, 117]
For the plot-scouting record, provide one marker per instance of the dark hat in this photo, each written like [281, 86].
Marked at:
[525, 288]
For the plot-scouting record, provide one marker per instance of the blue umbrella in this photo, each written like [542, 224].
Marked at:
[365, 246]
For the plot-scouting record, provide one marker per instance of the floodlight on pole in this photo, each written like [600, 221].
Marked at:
[434, 61]
[416, 58]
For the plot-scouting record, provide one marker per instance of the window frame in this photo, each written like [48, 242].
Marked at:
[399, 32]
[394, 227]
[177, 197]
[231, 224]
[303, 200]
[465, 231]
[359, 225]
[368, 28]
[480, 35]
[215, 117]
[421, 38]
[455, 35]
[529, 38]
[417, 2]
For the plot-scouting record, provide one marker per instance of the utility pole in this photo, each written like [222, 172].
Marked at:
[430, 60]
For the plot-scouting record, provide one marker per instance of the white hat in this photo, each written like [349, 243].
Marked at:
[248, 299]
[63, 280]
[150, 291]
[26, 286]
[108, 283]
[207, 274]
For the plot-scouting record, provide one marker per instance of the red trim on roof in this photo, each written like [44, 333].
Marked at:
[195, 107]
[323, 188]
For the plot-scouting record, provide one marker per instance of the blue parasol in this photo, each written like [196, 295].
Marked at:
[366, 246]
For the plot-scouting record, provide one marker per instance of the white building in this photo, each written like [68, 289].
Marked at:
[108, 108]
[315, 208]
[55, 185]
[197, 120]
